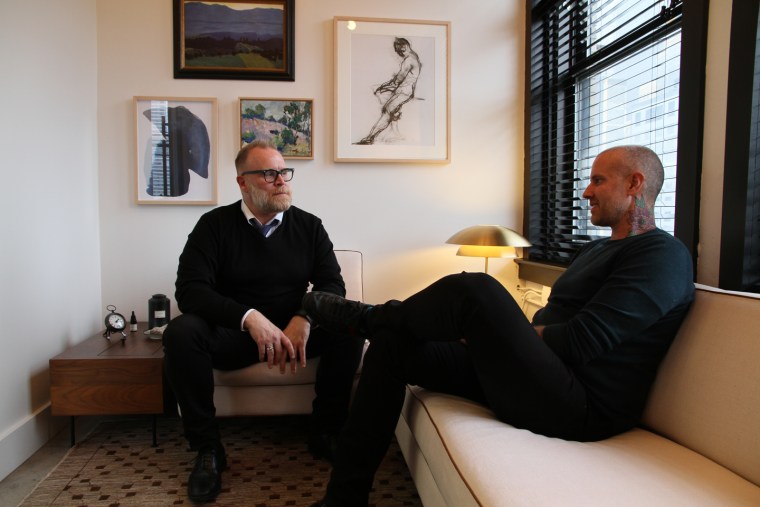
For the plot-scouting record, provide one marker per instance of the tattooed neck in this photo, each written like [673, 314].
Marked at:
[640, 218]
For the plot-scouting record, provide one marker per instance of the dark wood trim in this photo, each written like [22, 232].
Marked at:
[741, 69]
[691, 123]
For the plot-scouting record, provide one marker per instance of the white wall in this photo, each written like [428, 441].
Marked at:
[50, 253]
[73, 240]
[398, 215]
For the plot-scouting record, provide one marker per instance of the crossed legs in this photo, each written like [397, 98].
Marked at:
[463, 335]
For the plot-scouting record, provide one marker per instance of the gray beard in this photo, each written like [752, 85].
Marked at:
[263, 202]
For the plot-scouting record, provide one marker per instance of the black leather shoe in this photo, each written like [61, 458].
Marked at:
[205, 480]
[336, 313]
[323, 446]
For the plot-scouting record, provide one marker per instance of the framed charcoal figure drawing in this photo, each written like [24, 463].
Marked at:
[391, 90]
[175, 150]
[234, 39]
[288, 123]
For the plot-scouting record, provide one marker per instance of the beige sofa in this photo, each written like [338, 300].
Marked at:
[258, 390]
[698, 445]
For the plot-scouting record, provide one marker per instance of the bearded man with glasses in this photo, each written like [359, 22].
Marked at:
[241, 278]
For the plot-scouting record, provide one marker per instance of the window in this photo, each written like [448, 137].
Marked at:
[740, 230]
[605, 73]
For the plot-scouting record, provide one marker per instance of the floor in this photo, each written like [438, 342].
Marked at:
[19, 483]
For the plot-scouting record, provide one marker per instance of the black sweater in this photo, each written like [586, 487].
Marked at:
[612, 316]
[227, 267]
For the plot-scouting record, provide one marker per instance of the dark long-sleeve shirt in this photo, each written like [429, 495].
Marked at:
[613, 314]
[227, 267]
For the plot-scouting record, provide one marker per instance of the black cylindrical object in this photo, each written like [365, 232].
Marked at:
[159, 311]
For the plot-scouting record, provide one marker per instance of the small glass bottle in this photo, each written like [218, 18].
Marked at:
[133, 323]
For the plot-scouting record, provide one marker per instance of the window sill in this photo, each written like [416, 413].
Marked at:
[538, 272]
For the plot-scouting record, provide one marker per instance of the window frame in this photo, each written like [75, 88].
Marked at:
[691, 123]
[741, 61]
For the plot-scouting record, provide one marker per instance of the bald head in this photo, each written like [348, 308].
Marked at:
[242, 156]
[632, 158]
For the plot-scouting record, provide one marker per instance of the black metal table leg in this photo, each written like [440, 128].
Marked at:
[73, 432]
[155, 443]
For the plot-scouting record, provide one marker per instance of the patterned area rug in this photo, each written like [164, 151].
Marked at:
[268, 466]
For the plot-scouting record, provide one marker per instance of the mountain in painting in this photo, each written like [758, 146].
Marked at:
[218, 21]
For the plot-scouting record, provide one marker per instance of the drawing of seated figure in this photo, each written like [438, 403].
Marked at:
[397, 91]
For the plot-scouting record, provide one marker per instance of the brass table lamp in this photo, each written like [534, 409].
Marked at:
[488, 241]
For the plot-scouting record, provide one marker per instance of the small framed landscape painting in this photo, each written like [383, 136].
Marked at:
[288, 123]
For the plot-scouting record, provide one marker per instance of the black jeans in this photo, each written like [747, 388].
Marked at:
[193, 348]
[463, 335]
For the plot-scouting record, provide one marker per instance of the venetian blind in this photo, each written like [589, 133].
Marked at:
[602, 73]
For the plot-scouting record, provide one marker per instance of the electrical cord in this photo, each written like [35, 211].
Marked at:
[530, 296]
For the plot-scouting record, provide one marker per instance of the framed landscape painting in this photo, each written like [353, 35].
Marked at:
[392, 90]
[234, 39]
[288, 123]
[175, 150]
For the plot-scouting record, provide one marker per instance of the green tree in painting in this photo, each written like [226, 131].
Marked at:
[258, 112]
[296, 118]
[288, 137]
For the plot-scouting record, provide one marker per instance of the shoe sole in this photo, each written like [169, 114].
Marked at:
[205, 498]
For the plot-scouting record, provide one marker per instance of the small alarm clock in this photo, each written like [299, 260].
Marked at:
[115, 323]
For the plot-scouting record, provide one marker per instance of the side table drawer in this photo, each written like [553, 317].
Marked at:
[106, 386]
[108, 377]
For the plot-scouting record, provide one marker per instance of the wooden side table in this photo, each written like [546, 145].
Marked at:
[109, 377]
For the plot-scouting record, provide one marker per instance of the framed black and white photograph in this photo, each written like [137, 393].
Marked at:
[234, 39]
[175, 150]
[286, 123]
[392, 90]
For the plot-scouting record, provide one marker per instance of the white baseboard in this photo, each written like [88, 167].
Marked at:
[25, 438]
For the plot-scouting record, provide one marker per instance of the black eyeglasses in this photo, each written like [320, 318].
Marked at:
[271, 174]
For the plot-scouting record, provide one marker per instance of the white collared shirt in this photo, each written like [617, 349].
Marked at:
[250, 216]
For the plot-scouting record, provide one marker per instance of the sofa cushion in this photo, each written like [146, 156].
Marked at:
[476, 460]
[707, 392]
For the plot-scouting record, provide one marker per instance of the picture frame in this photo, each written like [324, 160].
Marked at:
[234, 39]
[175, 132]
[392, 98]
[287, 123]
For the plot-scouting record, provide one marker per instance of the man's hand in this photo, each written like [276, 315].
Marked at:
[274, 345]
[297, 331]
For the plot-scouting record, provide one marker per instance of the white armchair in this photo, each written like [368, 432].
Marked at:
[258, 390]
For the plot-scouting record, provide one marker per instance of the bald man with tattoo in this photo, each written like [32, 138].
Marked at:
[582, 370]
